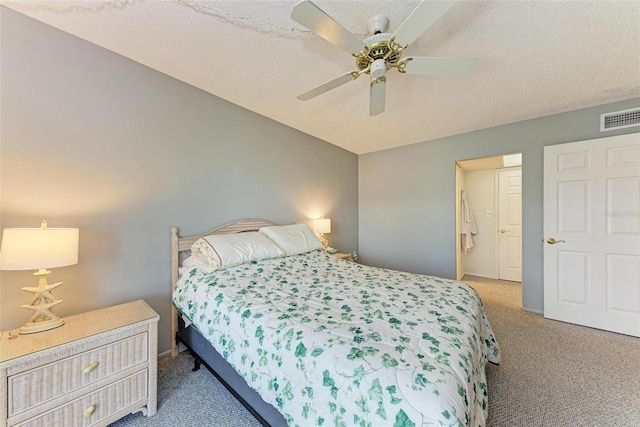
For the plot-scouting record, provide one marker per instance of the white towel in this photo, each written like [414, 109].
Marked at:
[467, 224]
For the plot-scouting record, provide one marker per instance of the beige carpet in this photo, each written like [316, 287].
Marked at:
[554, 373]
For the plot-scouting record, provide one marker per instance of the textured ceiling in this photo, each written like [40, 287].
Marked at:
[535, 58]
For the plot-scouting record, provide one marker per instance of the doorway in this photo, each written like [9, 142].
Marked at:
[488, 217]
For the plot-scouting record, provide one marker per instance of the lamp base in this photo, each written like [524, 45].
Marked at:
[44, 325]
[42, 302]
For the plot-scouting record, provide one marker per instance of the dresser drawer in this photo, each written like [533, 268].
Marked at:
[36, 386]
[91, 409]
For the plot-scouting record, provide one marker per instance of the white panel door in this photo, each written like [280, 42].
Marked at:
[509, 225]
[592, 233]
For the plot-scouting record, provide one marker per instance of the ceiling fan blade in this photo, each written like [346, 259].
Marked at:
[377, 95]
[432, 66]
[331, 84]
[311, 16]
[422, 17]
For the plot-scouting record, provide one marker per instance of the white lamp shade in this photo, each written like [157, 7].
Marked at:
[322, 225]
[37, 248]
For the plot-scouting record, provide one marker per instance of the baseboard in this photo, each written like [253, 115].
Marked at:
[484, 276]
[534, 311]
[164, 354]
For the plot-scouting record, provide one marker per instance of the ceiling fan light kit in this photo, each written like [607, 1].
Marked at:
[381, 51]
[378, 68]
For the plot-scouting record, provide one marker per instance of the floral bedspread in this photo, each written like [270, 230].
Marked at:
[330, 342]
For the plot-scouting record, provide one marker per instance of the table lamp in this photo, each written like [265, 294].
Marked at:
[39, 248]
[320, 227]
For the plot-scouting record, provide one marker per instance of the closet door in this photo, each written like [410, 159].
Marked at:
[510, 224]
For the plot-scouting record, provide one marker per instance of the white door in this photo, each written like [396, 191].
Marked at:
[592, 213]
[510, 224]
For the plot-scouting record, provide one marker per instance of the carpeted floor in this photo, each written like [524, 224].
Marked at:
[191, 399]
[552, 374]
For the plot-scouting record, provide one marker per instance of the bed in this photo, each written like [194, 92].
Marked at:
[311, 339]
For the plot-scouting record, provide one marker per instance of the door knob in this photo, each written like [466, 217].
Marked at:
[553, 241]
[502, 230]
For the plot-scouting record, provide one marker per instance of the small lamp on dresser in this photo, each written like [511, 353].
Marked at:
[39, 248]
[321, 227]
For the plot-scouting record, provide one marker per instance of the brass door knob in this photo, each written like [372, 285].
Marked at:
[502, 230]
[553, 241]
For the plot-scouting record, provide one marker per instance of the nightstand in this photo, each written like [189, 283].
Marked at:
[347, 257]
[95, 369]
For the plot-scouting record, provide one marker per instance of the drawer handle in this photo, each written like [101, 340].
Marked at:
[89, 411]
[90, 368]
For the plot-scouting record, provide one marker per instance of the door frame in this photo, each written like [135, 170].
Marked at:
[459, 259]
[459, 262]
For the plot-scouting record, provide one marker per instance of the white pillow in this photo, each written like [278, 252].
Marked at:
[293, 239]
[200, 261]
[219, 251]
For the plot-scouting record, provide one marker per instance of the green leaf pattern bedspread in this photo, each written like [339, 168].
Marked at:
[330, 342]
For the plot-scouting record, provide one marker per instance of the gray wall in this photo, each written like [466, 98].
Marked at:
[93, 140]
[407, 194]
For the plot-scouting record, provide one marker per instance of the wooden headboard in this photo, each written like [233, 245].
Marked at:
[181, 244]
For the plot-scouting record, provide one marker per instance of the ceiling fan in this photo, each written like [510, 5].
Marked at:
[381, 51]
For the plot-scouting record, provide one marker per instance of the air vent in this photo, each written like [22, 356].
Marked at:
[620, 119]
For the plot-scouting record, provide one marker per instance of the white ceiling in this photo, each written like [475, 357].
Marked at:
[535, 58]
